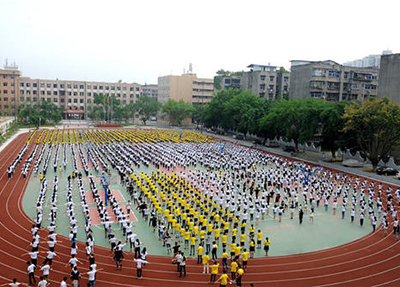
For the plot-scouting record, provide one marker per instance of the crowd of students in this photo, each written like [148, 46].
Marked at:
[210, 197]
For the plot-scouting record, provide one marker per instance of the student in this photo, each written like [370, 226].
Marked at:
[234, 266]
[31, 272]
[245, 256]
[214, 271]
[64, 282]
[199, 253]
[13, 284]
[239, 276]
[92, 276]
[182, 266]
[267, 242]
[223, 279]
[43, 282]
[205, 260]
[139, 266]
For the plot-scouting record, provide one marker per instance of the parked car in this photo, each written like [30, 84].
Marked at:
[289, 148]
[383, 170]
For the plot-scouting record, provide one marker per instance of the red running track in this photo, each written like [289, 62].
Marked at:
[373, 260]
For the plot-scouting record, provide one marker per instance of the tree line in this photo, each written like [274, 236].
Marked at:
[373, 127]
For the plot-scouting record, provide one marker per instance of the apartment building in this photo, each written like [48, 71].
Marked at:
[187, 87]
[75, 96]
[151, 91]
[389, 77]
[331, 81]
[9, 81]
[368, 61]
[265, 81]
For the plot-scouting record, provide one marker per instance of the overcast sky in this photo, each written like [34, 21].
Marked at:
[137, 41]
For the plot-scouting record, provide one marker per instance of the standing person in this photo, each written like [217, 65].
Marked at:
[12, 284]
[75, 276]
[206, 266]
[234, 266]
[396, 228]
[199, 253]
[301, 213]
[182, 267]
[225, 256]
[31, 273]
[92, 276]
[46, 271]
[214, 251]
[64, 282]
[42, 282]
[139, 266]
[245, 256]
[224, 279]
[214, 271]
[239, 276]
[267, 242]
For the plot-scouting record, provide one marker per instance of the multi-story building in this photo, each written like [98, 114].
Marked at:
[9, 81]
[150, 91]
[389, 77]
[262, 80]
[75, 96]
[331, 81]
[368, 61]
[187, 87]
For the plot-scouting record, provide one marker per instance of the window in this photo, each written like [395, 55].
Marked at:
[34, 99]
[118, 88]
[227, 81]
[75, 93]
[69, 93]
[118, 95]
[5, 91]
[95, 87]
[5, 84]
[88, 86]
[75, 86]
[62, 100]
[89, 101]
[271, 78]
[137, 89]
[62, 86]
[75, 101]
[42, 85]
[285, 79]
[21, 92]
[55, 93]
[49, 93]
[318, 73]
[55, 86]
[69, 101]
[5, 99]
[81, 101]
[69, 86]
[262, 77]
[34, 85]
[55, 100]
[42, 92]
[107, 87]
[48, 85]
[334, 74]
[81, 94]
[262, 86]
[100, 87]
[21, 84]
[89, 94]
[49, 99]
[6, 106]
[81, 87]
[112, 88]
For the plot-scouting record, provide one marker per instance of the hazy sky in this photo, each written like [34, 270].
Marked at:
[137, 41]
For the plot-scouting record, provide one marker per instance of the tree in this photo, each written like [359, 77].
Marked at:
[332, 126]
[177, 111]
[376, 125]
[213, 110]
[147, 107]
[244, 108]
[45, 111]
[297, 120]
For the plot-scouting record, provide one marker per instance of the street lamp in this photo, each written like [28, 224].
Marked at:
[15, 103]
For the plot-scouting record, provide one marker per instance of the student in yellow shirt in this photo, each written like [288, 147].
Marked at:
[234, 266]
[214, 271]
[192, 244]
[224, 279]
[252, 248]
[259, 238]
[199, 254]
[234, 232]
[245, 256]
[232, 250]
[224, 256]
[267, 242]
[237, 252]
[239, 276]
[186, 236]
[206, 267]
[224, 240]
[216, 234]
[242, 239]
